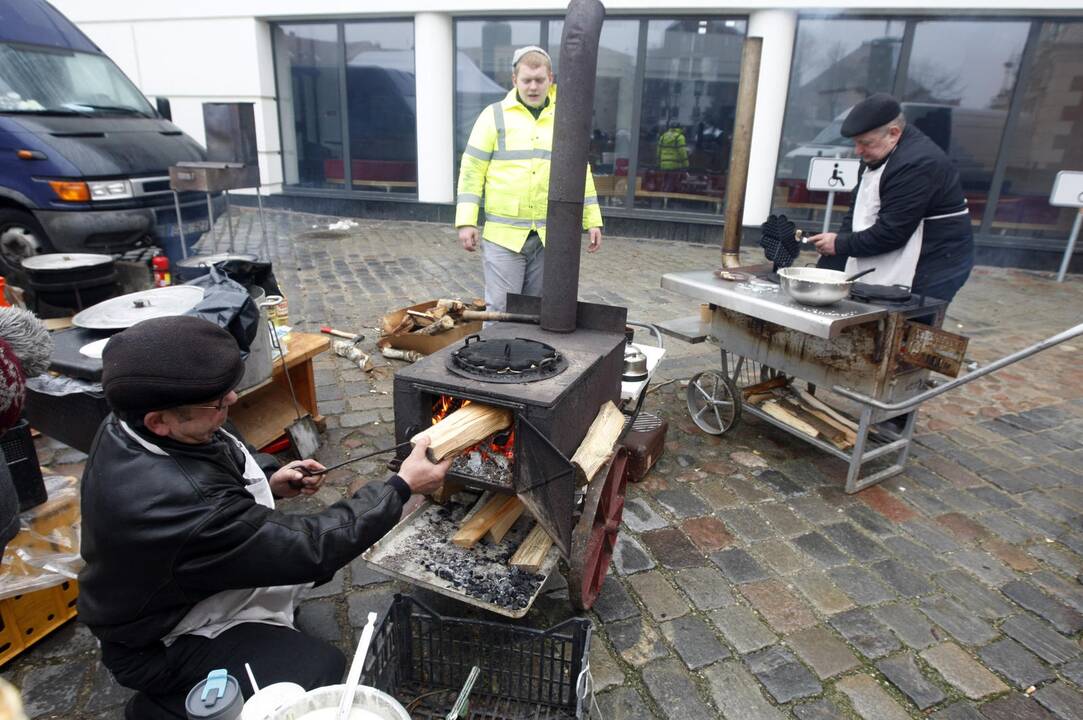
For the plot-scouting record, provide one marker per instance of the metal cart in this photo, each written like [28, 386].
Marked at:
[867, 353]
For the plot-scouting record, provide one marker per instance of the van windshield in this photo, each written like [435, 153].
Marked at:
[49, 81]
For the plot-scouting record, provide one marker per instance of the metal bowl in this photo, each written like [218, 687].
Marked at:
[814, 286]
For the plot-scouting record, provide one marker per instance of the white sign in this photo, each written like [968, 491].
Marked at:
[833, 174]
[1067, 189]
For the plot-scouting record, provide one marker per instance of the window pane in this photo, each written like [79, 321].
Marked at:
[483, 67]
[308, 59]
[614, 91]
[382, 106]
[1046, 137]
[836, 64]
[959, 86]
[686, 124]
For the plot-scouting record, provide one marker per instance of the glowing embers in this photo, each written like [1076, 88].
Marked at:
[491, 461]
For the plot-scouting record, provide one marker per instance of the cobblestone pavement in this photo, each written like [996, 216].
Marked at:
[745, 585]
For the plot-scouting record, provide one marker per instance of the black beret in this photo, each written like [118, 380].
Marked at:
[872, 112]
[166, 362]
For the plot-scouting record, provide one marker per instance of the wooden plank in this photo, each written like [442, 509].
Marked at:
[810, 399]
[772, 408]
[532, 551]
[479, 523]
[833, 434]
[262, 417]
[598, 443]
[505, 519]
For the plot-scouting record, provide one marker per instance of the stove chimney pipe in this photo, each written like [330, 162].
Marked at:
[567, 176]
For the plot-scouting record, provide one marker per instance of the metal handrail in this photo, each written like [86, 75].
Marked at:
[991, 367]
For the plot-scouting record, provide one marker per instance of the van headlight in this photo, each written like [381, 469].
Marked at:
[110, 190]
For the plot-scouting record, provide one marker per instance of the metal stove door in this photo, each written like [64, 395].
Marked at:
[545, 482]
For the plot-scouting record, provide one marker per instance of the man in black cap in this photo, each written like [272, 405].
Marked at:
[189, 567]
[909, 217]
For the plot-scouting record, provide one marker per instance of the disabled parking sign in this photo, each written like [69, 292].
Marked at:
[832, 174]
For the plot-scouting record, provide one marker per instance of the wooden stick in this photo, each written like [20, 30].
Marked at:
[761, 387]
[851, 436]
[772, 408]
[815, 402]
[464, 428]
[444, 323]
[445, 491]
[833, 434]
[506, 518]
[532, 551]
[479, 523]
[598, 443]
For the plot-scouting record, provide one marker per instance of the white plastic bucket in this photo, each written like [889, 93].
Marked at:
[264, 703]
[322, 704]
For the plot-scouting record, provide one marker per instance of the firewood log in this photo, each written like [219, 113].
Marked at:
[464, 428]
[532, 551]
[597, 445]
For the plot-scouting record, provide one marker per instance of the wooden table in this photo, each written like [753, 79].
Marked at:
[265, 410]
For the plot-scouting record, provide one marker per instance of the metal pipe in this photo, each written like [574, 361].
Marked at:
[991, 367]
[741, 151]
[568, 166]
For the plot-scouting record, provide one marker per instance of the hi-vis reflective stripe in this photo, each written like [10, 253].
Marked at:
[514, 222]
[468, 197]
[536, 154]
[477, 153]
[498, 120]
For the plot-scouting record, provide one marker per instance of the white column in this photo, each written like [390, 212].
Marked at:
[777, 28]
[434, 64]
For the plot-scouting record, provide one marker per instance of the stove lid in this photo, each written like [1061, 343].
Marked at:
[869, 292]
[506, 360]
[124, 311]
[65, 261]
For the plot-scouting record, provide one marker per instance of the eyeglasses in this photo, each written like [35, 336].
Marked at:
[218, 407]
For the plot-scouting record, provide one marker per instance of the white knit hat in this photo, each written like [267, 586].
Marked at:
[524, 50]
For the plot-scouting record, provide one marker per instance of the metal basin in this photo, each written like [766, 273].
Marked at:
[814, 286]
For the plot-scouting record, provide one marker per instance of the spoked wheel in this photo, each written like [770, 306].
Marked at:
[595, 534]
[714, 402]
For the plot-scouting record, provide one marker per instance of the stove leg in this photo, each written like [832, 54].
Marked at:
[907, 434]
[858, 453]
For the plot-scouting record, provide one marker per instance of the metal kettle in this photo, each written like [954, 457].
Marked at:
[635, 365]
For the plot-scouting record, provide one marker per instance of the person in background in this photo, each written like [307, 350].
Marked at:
[909, 218]
[189, 565]
[506, 162]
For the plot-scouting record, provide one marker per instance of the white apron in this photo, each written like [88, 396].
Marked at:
[892, 268]
[214, 615]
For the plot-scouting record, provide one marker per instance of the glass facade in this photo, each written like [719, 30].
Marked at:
[663, 105]
[1006, 112]
[347, 89]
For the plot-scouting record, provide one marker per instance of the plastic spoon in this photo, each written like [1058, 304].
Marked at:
[354, 676]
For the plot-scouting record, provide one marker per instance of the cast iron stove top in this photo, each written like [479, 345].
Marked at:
[506, 360]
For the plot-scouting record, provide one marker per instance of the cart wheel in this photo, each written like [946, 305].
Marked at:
[595, 534]
[714, 402]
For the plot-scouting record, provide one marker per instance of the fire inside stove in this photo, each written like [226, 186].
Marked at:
[491, 460]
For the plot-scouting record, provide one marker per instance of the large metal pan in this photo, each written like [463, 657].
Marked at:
[817, 286]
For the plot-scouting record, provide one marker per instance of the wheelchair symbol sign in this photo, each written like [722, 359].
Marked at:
[833, 174]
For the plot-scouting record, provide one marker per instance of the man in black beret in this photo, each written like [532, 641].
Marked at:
[909, 217]
[189, 567]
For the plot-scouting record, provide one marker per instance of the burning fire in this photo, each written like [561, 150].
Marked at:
[490, 446]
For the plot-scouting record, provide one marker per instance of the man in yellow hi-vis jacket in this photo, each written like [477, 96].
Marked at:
[507, 162]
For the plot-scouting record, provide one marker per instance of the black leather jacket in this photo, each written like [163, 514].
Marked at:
[161, 533]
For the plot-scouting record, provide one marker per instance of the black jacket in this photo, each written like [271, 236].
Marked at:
[161, 533]
[918, 182]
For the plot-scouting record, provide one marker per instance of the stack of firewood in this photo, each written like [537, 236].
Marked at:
[437, 319]
[802, 411]
[495, 513]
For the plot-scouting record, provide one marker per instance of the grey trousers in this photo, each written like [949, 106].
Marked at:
[512, 272]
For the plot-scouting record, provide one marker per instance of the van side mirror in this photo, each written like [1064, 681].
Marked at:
[162, 105]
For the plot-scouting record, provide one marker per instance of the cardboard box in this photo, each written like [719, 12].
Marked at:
[425, 344]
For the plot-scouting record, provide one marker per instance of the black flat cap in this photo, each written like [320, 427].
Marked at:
[872, 112]
[167, 362]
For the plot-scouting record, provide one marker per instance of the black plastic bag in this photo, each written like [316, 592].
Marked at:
[227, 304]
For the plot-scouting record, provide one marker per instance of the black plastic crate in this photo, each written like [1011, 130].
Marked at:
[422, 659]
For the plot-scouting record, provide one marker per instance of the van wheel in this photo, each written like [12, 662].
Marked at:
[21, 236]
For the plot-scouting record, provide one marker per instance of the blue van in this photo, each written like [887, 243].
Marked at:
[84, 157]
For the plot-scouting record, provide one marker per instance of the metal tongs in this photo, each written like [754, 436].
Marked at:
[312, 473]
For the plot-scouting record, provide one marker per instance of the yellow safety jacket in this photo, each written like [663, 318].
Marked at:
[507, 161]
[672, 151]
